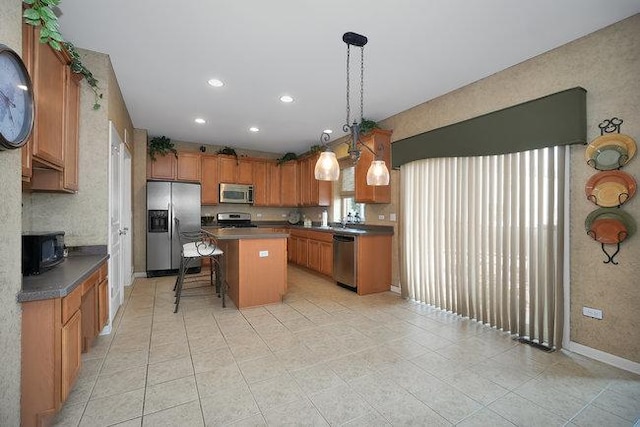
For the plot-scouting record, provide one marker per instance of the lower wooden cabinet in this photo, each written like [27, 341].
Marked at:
[71, 338]
[311, 249]
[53, 334]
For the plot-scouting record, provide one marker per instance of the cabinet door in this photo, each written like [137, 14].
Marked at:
[291, 249]
[260, 184]
[379, 141]
[103, 304]
[71, 128]
[273, 197]
[49, 90]
[288, 184]
[302, 252]
[90, 316]
[313, 255]
[245, 171]
[326, 258]
[27, 58]
[188, 167]
[210, 187]
[164, 167]
[227, 169]
[71, 358]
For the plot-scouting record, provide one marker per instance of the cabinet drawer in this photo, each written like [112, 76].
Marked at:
[92, 281]
[71, 304]
[296, 232]
[104, 272]
[320, 236]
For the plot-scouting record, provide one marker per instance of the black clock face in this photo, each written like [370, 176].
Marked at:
[16, 100]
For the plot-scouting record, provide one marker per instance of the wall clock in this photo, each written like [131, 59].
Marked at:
[16, 100]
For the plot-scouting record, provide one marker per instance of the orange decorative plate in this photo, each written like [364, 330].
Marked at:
[610, 225]
[610, 188]
[608, 230]
[610, 151]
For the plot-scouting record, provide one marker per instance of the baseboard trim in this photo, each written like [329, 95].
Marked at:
[395, 289]
[140, 275]
[604, 357]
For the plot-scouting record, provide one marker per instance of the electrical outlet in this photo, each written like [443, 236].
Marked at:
[392, 217]
[592, 312]
[259, 215]
[283, 215]
[380, 217]
[264, 254]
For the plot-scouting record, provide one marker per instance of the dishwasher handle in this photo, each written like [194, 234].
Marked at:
[340, 238]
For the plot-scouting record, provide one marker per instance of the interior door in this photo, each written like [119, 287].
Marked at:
[126, 217]
[115, 239]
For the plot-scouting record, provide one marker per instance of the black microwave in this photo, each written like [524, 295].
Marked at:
[41, 251]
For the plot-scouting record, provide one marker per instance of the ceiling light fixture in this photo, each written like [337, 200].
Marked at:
[327, 167]
[286, 99]
[215, 83]
[200, 121]
[254, 129]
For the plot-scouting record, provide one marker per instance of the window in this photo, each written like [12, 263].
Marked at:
[346, 203]
[484, 238]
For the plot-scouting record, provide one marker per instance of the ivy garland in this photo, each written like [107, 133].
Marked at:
[39, 13]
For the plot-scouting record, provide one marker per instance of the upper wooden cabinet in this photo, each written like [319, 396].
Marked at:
[274, 197]
[235, 170]
[260, 183]
[289, 184]
[209, 179]
[188, 168]
[163, 167]
[379, 141]
[50, 158]
[312, 192]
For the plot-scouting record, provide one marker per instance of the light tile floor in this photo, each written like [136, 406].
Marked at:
[326, 356]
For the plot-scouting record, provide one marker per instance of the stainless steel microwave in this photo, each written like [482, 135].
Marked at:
[236, 193]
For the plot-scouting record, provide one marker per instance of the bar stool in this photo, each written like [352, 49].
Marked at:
[197, 245]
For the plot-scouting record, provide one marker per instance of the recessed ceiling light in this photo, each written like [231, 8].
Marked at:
[216, 83]
[200, 121]
[286, 99]
[327, 131]
[254, 129]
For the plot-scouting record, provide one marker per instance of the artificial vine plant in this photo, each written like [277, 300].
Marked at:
[39, 13]
[161, 145]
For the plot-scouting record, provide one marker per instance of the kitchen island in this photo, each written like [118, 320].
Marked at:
[255, 264]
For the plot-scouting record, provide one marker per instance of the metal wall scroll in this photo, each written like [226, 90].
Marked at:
[610, 188]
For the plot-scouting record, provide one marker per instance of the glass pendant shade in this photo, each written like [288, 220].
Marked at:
[378, 174]
[327, 168]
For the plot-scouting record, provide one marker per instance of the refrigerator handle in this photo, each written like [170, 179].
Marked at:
[170, 209]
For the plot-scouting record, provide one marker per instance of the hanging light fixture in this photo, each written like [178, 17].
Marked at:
[327, 167]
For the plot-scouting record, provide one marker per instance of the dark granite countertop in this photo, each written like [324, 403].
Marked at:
[351, 230]
[61, 280]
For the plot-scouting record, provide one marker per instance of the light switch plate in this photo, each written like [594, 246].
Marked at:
[264, 254]
[381, 217]
[392, 217]
[259, 215]
[592, 312]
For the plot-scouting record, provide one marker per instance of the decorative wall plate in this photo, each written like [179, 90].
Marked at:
[608, 230]
[611, 213]
[610, 151]
[610, 188]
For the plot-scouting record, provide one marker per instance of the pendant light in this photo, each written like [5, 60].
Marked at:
[327, 167]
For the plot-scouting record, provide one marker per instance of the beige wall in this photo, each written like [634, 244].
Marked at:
[10, 242]
[607, 65]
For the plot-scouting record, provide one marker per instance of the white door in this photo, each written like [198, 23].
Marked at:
[115, 232]
[126, 217]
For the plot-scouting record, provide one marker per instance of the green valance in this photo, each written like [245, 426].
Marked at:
[557, 119]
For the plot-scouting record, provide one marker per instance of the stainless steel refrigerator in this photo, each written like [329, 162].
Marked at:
[165, 202]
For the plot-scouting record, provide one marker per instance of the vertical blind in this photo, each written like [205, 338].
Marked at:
[484, 238]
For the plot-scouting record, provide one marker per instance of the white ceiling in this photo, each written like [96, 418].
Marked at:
[163, 53]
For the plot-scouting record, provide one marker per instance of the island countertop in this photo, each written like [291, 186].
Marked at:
[244, 233]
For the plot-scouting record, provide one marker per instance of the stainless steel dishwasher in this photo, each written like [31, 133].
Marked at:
[344, 260]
